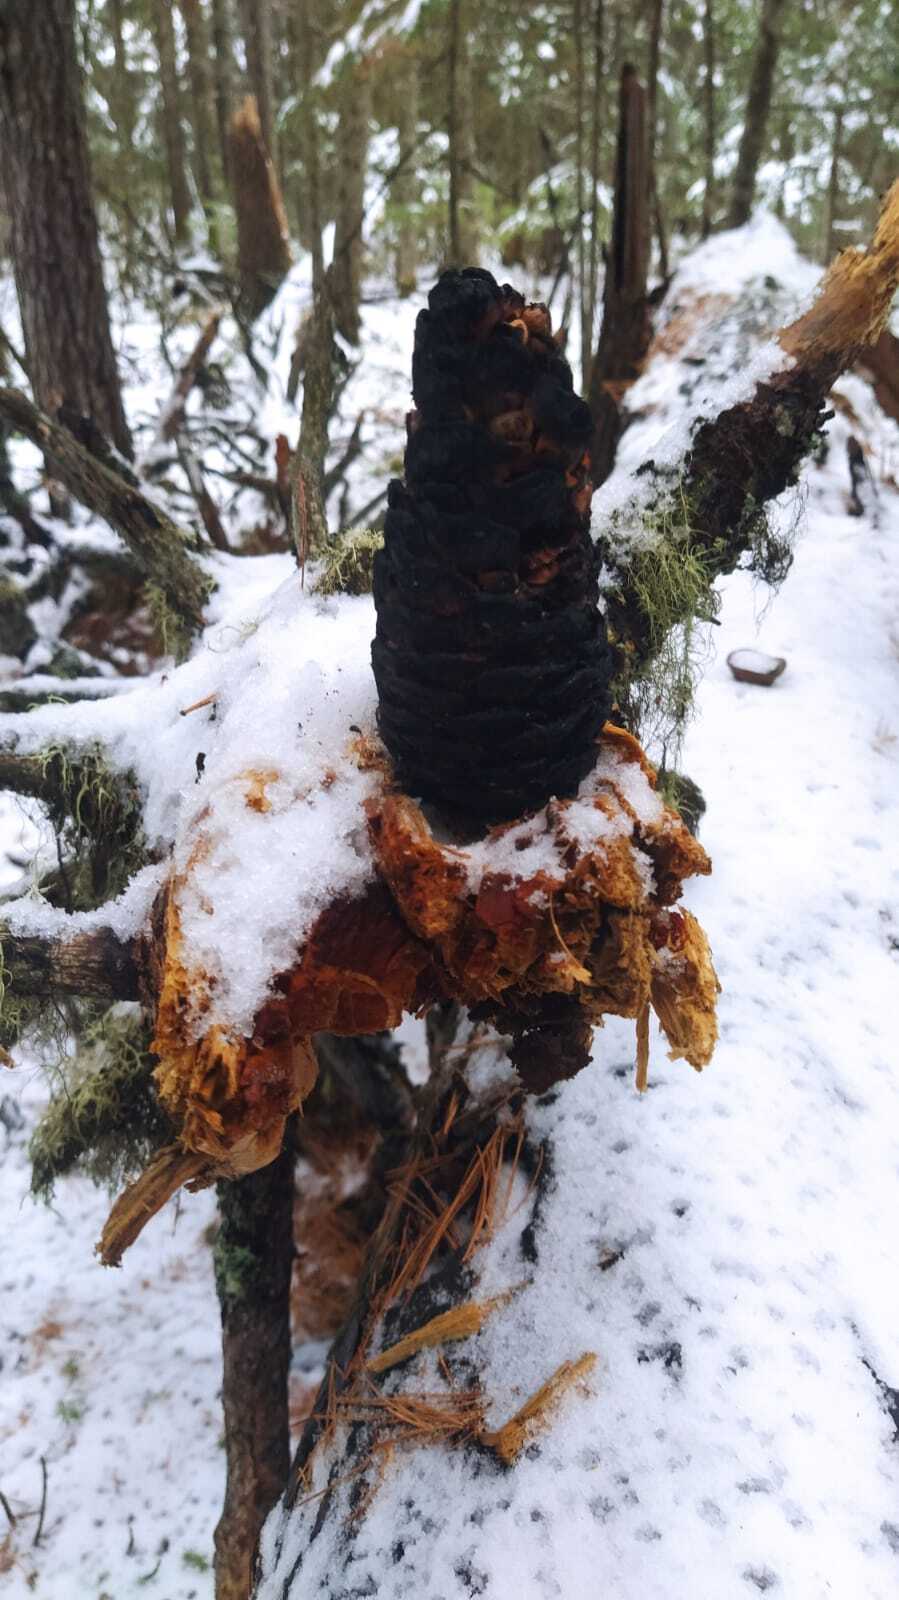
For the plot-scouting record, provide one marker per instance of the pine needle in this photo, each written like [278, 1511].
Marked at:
[460, 1322]
[509, 1440]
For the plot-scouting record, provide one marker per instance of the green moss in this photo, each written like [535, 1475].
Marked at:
[347, 565]
[104, 1118]
[237, 1270]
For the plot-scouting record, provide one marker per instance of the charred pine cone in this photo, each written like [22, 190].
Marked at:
[491, 656]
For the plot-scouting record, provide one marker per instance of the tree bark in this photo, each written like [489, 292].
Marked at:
[352, 154]
[54, 236]
[160, 547]
[172, 130]
[257, 32]
[463, 249]
[308, 517]
[253, 1257]
[758, 105]
[405, 184]
[200, 103]
[833, 189]
[625, 333]
[223, 76]
[94, 966]
[263, 248]
[709, 119]
[599, 70]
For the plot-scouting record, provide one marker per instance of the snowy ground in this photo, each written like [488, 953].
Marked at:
[725, 1245]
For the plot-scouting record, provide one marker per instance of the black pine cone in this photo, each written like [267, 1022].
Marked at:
[491, 656]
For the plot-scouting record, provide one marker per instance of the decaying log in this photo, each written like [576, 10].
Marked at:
[263, 248]
[162, 549]
[626, 326]
[490, 656]
[751, 452]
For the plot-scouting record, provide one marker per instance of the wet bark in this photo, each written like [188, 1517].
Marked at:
[263, 248]
[625, 332]
[253, 1257]
[53, 223]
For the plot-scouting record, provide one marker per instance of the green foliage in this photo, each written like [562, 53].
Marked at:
[347, 565]
[103, 1118]
[193, 1559]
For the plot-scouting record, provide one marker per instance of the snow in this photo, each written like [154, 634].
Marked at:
[724, 1244]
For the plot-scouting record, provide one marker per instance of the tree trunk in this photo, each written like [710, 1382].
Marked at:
[709, 122]
[223, 76]
[599, 71]
[263, 248]
[405, 184]
[200, 102]
[172, 130]
[656, 15]
[624, 336]
[253, 1261]
[758, 104]
[586, 331]
[123, 100]
[308, 187]
[833, 189]
[257, 32]
[352, 153]
[463, 247]
[54, 238]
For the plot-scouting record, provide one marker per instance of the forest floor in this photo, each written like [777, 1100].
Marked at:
[726, 1245]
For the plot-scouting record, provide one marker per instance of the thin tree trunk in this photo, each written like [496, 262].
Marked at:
[462, 227]
[308, 189]
[309, 521]
[586, 331]
[599, 68]
[253, 1258]
[833, 188]
[625, 332]
[53, 224]
[708, 102]
[405, 184]
[123, 103]
[257, 32]
[758, 104]
[352, 154]
[223, 76]
[173, 132]
[201, 102]
[656, 16]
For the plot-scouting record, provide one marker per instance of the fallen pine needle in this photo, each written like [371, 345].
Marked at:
[460, 1322]
[207, 700]
[643, 1048]
[510, 1439]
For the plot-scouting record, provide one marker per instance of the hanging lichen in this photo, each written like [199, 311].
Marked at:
[103, 1118]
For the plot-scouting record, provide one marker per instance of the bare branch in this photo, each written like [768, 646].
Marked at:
[162, 549]
[95, 966]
